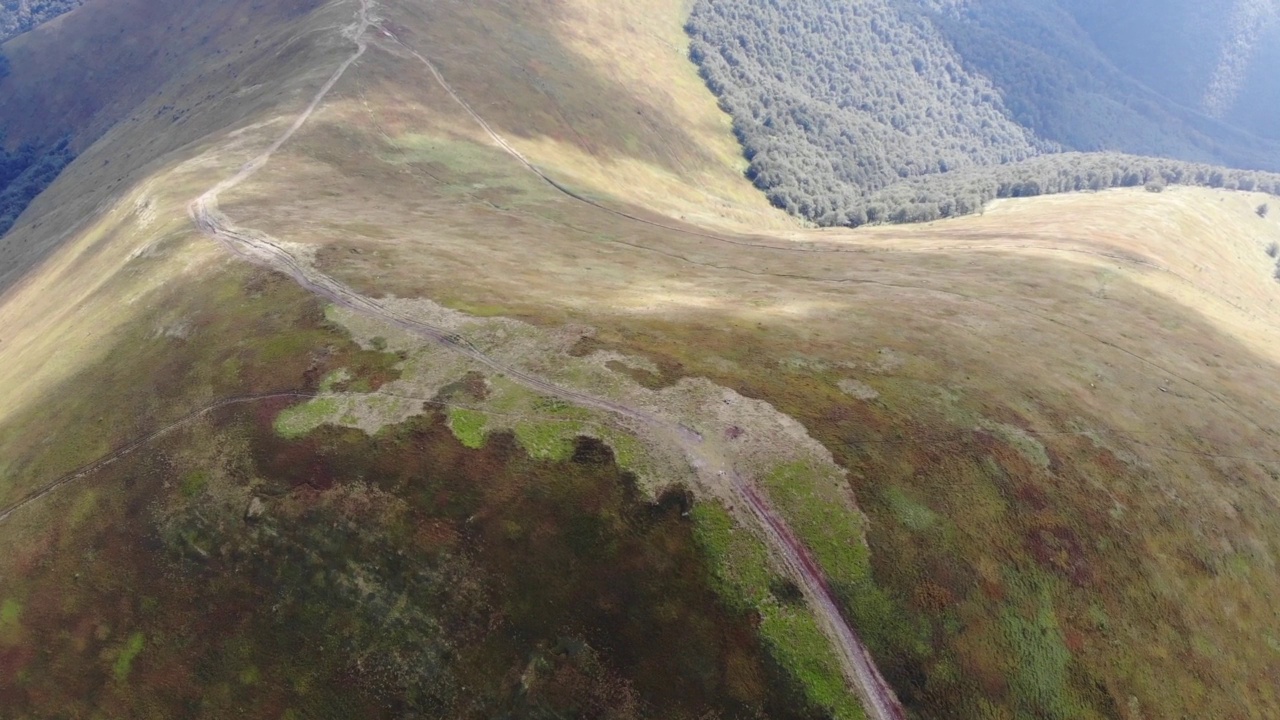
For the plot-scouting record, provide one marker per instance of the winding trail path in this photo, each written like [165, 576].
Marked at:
[711, 466]
[878, 699]
[119, 453]
[810, 248]
[102, 462]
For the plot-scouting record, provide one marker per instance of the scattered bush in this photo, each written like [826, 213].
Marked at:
[1155, 186]
[1263, 210]
[1273, 250]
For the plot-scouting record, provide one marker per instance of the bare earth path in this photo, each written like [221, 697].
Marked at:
[93, 467]
[877, 697]
[89, 469]
[1124, 258]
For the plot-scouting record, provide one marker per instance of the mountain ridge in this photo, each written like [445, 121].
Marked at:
[976, 428]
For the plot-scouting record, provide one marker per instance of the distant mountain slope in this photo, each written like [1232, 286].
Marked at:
[19, 16]
[837, 103]
[1061, 85]
[27, 169]
[24, 174]
[1259, 96]
[1218, 56]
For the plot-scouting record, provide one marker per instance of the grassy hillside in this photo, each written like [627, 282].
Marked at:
[134, 322]
[168, 93]
[1042, 478]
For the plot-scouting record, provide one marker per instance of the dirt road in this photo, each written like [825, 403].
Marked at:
[710, 465]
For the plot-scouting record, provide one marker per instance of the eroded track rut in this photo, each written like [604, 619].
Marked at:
[711, 466]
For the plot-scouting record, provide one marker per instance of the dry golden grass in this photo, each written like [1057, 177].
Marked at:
[1120, 347]
[83, 73]
[87, 256]
[607, 99]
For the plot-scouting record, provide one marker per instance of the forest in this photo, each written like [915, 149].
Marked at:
[27, 170]
[25, 173]
[933, 197]
[833, 102]
[19, 16]
[913, 110]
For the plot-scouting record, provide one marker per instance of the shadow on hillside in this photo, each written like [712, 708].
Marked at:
[98, 76]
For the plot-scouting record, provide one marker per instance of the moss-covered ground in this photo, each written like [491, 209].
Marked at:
[744, 577]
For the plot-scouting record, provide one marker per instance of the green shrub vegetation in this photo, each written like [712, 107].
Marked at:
[1040, 660]
[194, 483]
[124, 661]
[548, 439]
[10, 612]
[301, 419]
[740, 566]
[467, 426]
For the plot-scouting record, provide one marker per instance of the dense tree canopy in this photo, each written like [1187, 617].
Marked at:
[903, 110]
[19, 16]
[834, 101]
[962, 192]
[24, 174]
